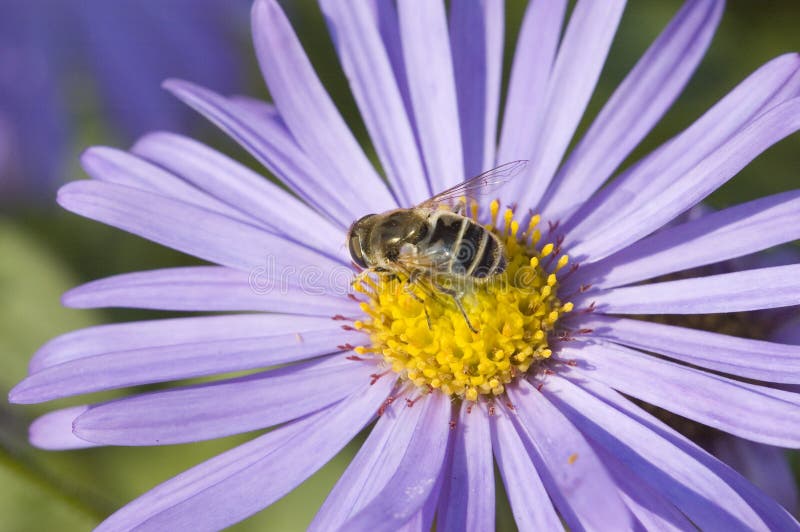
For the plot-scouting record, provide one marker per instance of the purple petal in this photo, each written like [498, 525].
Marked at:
[753, 412]
[752, 359]
[476, 40]
[773, 83]
[529, 500]
[355, 32]
[697, 491]
[222, 408]
[666, 200]
[650, 508]
[122, 168]
[103, 339]
[788, 332]
[711, 494]
[467, 498]
[727, 292]
[765, 466]
[385, 14]
[636, 106]
[371, 469]
[721, 235]
[53, 431]
[580, 59]
[244, 190]
[310, 113]
[209, 288]
[122, 368]
[190, 229]
[248, 478]
[416, 475]
[267, 138]
[587, 496]
[429, 67]
[526, 100]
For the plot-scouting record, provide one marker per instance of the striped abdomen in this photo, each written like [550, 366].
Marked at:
[471, 249]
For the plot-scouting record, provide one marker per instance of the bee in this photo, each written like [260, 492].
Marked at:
[435, 242]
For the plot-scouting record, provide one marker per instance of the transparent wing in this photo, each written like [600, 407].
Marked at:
[429, 261]
[477, 186]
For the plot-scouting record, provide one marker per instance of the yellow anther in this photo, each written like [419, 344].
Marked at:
[562, 261]
[547, 249]
[534, 262]
[494, 208]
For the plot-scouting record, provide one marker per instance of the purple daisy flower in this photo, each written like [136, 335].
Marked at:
[124, 49]
[543, 384]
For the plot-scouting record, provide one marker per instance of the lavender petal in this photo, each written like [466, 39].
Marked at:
[122, 168]
[355, 32]
[53, 431]
[746, 410]
[242, 189]
[371, 469]
[222, 408]
[636, 106]
[189, 229]
[309, 112]
[587, 497]
[467, 498]
[718, 236]
[268, 139]
[669, 193]
[690, 485]
[415, 478]
[531, 71]
[765, 466]
[122, 368]
[650, 508]
[752, 359]
[773, 83]
[103, 339]
[209, 288]
[242, 481]
[529, 500]
[429, 67]
[706, 490]
[476, 41]
[577, 67]
[757, 289]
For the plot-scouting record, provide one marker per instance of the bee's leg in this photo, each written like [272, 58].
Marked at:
[457, 299]
[463, 313]
[409, 288]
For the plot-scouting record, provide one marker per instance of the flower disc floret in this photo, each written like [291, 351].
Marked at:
[422, 335]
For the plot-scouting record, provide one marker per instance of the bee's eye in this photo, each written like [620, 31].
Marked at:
[356, 252]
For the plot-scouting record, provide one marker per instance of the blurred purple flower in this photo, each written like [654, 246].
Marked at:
[569, 445]
[55, 53]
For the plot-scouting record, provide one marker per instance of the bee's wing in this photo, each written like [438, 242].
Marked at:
[476, 186]
[432, 260]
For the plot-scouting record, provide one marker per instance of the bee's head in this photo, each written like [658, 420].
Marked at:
[358, 239]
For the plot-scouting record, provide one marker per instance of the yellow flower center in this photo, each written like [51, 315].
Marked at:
[422, 335]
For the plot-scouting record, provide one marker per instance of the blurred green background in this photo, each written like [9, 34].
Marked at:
[46, 251]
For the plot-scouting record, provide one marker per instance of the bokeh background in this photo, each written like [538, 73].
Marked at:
[75, 73]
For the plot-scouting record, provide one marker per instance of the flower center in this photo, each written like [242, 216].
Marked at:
[423, 336]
